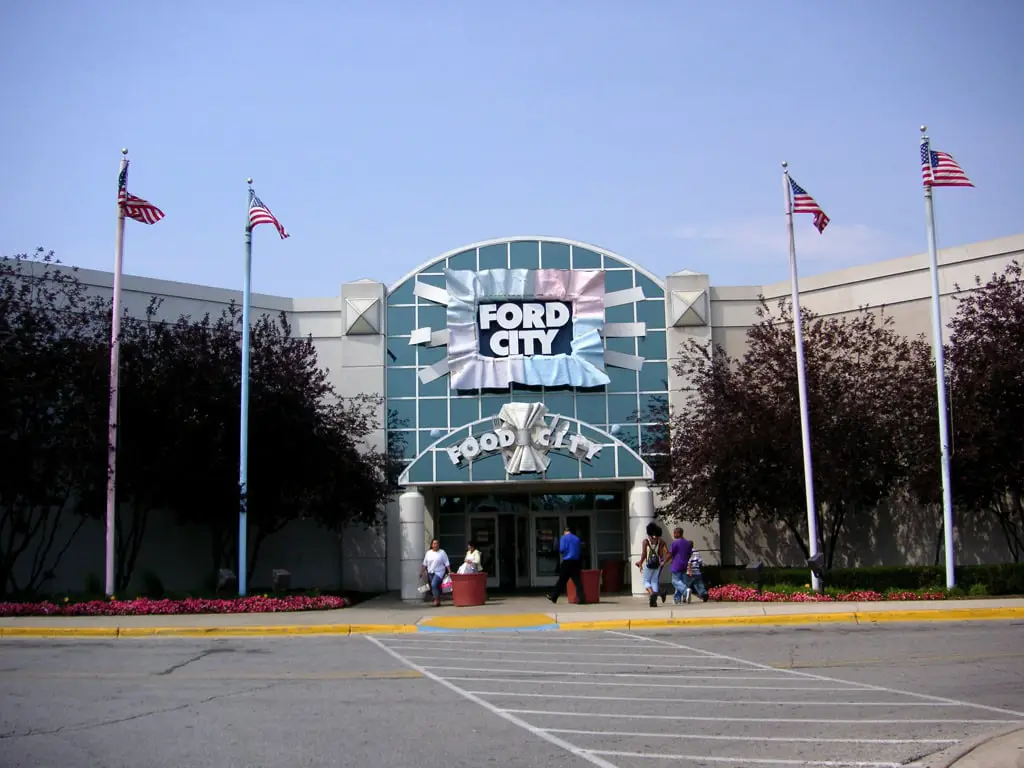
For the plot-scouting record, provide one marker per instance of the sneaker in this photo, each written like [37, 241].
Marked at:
[689, 594]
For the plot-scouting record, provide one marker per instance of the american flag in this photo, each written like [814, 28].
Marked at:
[260, 214]
[804, 203]
[135, 207]
[939, 169]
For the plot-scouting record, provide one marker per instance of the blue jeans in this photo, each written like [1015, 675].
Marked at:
[696, 583]
[679, 584]
[435, 584]
[651, 576]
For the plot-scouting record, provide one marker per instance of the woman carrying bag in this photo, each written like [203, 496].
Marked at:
[435, 568]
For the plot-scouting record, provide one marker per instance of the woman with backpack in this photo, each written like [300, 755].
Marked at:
[653, 555]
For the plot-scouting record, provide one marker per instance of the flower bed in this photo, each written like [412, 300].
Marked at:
[143, 606]
[736, 593]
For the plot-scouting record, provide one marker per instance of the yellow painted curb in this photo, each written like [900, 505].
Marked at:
[499, 621]
[213, 631]
[236, 631]
[381, 629]
[609, 624]
[952, 614]
[58, 631]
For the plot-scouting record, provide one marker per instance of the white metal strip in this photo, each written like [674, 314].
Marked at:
[435, 371]
[420, 336]
[624, 330]
[622, 360]
[431, 293]
[627, 296]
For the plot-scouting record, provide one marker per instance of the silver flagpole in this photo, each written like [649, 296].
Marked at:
[801, 376]
[115, 348]
[940, 376]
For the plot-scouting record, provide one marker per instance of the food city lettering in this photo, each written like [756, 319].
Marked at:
[543, 438]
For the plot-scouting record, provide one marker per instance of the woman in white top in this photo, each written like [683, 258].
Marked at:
[472, 562]
[435, 567]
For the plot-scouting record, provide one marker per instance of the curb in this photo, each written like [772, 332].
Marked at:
[853, 617]
[213, 631]
[518, 623]
[948, 758]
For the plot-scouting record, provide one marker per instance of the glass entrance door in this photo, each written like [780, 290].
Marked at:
[582, 526]
[546, 533]
[483, 532]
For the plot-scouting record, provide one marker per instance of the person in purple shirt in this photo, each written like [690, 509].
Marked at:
[679, 552]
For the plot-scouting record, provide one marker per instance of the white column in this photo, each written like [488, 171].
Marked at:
[411, 511]
[641, 512]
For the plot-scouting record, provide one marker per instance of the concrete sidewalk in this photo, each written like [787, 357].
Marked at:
[388, 614]
[1004, 749]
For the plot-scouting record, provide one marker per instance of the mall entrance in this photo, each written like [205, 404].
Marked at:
[517, 533]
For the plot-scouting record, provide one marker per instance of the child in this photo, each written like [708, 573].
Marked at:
[694, 580]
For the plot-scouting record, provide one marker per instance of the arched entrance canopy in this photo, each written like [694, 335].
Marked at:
[523, 442]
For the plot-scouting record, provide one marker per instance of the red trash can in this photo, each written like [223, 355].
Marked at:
[469, 589]
[591, 579]
[611, 575]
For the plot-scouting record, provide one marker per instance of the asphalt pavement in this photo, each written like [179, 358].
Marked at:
[868, 696]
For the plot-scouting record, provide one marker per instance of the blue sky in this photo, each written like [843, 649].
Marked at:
[385, 133]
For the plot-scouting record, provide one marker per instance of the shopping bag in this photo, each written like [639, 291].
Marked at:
[446, 585]
[423, 588]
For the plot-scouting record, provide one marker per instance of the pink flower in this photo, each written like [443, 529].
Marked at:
[144, 606]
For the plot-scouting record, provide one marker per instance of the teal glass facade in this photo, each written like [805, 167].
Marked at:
[419, 414]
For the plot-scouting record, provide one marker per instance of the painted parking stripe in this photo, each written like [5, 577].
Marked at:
[594, 674]
[726, 702]
[780, 739]
[746, 760]
[517, 652]
[607, 683]
[823, 678]
[719, 719]
[578, 663]
[549, 737]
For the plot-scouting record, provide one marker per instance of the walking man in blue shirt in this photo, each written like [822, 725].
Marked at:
[571, 549]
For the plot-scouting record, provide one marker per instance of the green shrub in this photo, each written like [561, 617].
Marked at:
[978, 590]
[152, 586]
[1006, 579]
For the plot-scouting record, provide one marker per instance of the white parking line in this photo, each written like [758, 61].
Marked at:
[505, 652]
[578, 663]
[527, 666]
[780, 739]
[549, 737]
[595, 674]
[719, 719]
[824, 678]
[745, 760]
[528, 643]
[604, 683]
[761, 703]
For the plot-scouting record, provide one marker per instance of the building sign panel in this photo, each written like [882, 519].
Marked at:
[540, 327]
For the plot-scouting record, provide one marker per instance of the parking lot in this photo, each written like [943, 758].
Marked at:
[730, 698]
[625, 699]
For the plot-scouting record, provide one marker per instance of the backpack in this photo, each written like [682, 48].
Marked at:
[653, 561]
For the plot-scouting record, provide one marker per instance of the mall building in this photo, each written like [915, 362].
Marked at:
[522, 379]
